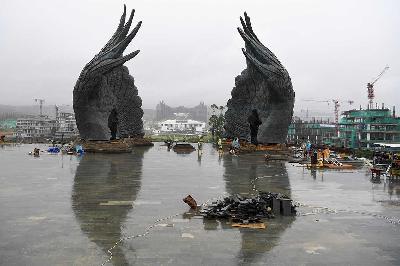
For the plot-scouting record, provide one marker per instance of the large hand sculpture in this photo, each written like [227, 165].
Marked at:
[264, 86]
[105, 87]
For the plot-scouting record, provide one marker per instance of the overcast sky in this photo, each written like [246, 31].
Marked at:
[190, 50]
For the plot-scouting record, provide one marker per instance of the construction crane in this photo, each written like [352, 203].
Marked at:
[336, 104]
[370, 87]
[41, 102]
[57, 109]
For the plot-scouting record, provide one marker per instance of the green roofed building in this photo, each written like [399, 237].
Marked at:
[8, 123]
[363, 128]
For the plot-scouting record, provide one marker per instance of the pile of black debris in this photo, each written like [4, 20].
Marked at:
[242, 209]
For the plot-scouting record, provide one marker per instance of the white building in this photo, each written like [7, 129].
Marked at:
[66, 126]
[36, 127]
[182, 125]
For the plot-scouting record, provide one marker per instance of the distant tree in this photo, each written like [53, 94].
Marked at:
[217, 120]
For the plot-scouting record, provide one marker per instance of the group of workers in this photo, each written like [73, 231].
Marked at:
[68, 149]
[310, 152]
[35, 152]
[381, 157]
[233, 149]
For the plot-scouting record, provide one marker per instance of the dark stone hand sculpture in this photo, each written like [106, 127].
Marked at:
[264, 86]
[105, 85]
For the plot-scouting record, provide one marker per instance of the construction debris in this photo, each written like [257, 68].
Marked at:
[249, 210]
[189, 200]
[252, 226]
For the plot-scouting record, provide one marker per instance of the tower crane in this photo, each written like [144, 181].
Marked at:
[370, 87]
[336, 103]
[57, 109]
[41, 102]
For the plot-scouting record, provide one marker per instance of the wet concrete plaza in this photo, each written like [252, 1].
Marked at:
[68, 210]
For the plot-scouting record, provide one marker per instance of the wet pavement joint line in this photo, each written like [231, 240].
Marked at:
[327, 210]
[146, 232]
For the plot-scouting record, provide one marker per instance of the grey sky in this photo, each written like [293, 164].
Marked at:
[190, 50]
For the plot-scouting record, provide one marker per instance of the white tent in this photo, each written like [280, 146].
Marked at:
[391, 145]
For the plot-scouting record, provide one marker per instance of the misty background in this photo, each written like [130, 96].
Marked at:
[191, 50]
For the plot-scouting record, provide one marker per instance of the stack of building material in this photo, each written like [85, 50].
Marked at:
[249, 209]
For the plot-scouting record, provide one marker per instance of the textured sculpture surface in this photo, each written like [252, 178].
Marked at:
[264, 86]
[105, 88]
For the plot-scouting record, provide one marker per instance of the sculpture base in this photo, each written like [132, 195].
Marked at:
[247, 147]
[271, 148]
[113, 146]
[138, 142]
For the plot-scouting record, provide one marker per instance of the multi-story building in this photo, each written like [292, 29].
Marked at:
[35, 127]
[317, 132]
[8, 123]
[66, 126]
[363, 128]
[182, 125]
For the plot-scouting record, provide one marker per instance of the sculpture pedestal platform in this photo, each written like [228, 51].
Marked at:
[138, 142]
[246, 147]
[113, 146]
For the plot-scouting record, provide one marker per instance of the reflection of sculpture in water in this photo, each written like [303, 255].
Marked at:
[242, 174]
[104, 189]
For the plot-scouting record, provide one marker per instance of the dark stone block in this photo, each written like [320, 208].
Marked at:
[276, 206]
[286, 207]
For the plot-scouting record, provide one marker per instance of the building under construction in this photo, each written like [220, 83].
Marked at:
[316, 131]
[362, 128]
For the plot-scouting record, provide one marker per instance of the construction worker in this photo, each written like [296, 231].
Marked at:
[308, 148]
[254, 122]
[326, 153]
[303, 149]
[219, 143]
[113, 124]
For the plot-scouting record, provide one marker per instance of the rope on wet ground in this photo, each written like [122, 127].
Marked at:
[145, 233]
[315, 210]
[327, 210]
[148, 229]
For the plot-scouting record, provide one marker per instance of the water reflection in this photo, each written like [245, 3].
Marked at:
[313, 173]
[104, 189]
[183, 152]
[393, 189]
[244, 173]
[199, 155]
[386, 184]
